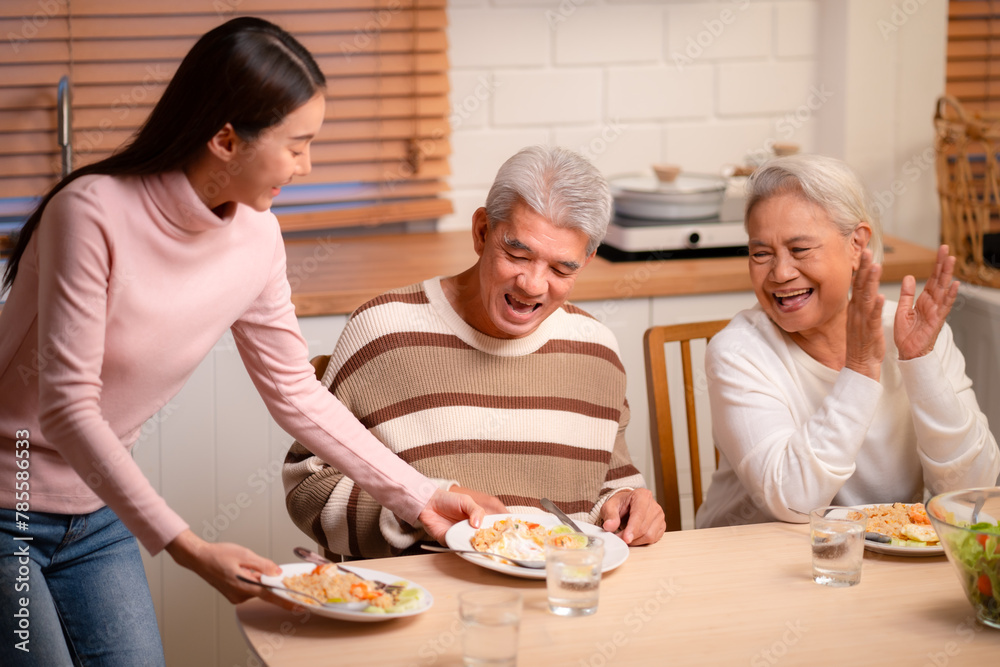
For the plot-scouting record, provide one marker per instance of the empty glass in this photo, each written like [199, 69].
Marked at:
[492, 617]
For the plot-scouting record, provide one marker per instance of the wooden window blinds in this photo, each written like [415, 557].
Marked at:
[381, 155]
[973, 65]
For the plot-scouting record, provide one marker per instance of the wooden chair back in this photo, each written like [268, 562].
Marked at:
[320, 362]
[660, 423]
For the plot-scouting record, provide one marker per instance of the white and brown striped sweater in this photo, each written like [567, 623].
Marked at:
[522, 419]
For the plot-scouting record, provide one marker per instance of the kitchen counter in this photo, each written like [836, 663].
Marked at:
[334, 276]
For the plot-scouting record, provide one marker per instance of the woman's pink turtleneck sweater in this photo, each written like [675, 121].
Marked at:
[124, 288]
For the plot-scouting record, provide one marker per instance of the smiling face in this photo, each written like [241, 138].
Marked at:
[527, 267]
[275, 157]
[801, 266]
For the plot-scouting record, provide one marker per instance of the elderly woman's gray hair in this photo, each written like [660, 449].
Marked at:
[824, 181]
[556, 183]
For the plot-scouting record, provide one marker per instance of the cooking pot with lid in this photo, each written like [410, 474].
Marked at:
[689, 196]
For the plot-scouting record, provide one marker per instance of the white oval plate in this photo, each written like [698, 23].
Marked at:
[292, 569]
[460, 536]
[892, 549]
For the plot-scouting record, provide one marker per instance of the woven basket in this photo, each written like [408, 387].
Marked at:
[968, 176]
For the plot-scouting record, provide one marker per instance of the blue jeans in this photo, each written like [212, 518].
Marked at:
[75, 594]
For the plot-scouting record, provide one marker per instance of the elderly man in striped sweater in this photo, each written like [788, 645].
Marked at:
[489, 381]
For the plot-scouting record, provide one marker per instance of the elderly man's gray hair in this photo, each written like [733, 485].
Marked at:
[558, 184]
[824, 181]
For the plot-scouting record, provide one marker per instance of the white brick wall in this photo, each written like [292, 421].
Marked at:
[700, 83]
[627, 82]
[615, 148]
[796, 28]
[548, 97]
[720, 30]
[776, 88]
[490, 37]
[478, 154]
[470, 99]
[603, 35]
[661, 92]
[710, 144]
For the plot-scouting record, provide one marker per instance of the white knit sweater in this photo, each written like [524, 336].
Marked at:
[796, 434]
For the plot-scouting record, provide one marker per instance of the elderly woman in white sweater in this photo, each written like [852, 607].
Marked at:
[825, 392]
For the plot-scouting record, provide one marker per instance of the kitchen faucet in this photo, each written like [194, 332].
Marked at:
[64, 125]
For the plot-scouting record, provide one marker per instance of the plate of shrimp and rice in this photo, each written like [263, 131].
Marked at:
[906, 525]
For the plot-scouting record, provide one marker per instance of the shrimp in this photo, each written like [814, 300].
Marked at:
[918, 514]
[485, 538]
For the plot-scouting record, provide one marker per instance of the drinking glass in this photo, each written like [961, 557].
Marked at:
[492, 617]
[573, 563]
[837, 535]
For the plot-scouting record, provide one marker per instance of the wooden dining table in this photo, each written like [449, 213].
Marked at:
[740, 595]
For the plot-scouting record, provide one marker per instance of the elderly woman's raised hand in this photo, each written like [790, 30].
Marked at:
[865, 340]
[918, 324]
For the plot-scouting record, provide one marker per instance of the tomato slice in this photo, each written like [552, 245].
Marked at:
[985, 587]
[982, 540]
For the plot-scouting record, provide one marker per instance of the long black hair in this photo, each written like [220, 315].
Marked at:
[247, 72]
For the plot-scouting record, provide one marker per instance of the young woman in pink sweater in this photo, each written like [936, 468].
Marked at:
[121, 282]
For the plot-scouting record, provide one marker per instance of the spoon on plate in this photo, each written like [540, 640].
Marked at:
[343, 606]
[531, 564]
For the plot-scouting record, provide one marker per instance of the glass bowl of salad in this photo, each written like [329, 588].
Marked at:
[968, 523]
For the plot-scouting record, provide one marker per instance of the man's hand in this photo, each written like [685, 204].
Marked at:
[491, 504]
[636, 514]
[446, 509]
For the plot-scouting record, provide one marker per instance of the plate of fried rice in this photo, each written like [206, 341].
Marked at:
[327, 582]
[907, 525]
[522, 536]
